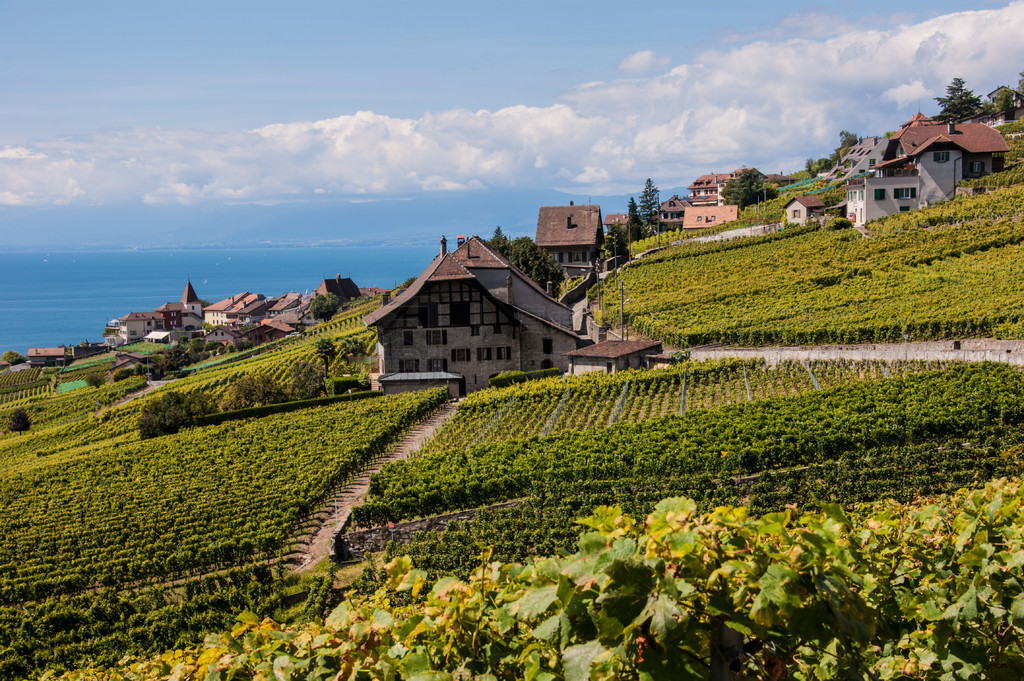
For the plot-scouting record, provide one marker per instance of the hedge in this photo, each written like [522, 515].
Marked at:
[509, 377]
[341, 384]
[280, 408]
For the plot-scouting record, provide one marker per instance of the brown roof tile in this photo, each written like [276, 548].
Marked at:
[613, 349]
[569, 225]
[808, 201]
[974, 138]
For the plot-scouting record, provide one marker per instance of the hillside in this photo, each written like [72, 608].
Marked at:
[947, 271]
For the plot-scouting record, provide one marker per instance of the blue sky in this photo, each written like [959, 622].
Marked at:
[228, 103]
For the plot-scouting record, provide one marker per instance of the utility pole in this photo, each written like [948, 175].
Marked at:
[622, 305]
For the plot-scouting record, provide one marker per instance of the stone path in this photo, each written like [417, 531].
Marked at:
[315, 545]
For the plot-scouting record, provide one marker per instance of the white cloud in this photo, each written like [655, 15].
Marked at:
[907, 93]
[766, 103]
[642, 62]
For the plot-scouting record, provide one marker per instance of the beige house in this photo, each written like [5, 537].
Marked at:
[469, 316]
[800, 209]
[135, 326]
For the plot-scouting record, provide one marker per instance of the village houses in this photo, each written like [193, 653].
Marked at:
[572, 235]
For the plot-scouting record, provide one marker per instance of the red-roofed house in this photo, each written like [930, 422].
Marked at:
[706, 190]
[469, 316]
[671, 213]
[241, 308]
[922, 164]
[572, 235]
[344, 288]
[270, 330]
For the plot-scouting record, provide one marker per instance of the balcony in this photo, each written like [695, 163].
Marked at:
[897, 172]
[855, 182]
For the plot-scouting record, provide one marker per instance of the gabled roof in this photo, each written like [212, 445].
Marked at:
[171, 307]
[806, 202]
[569, 226]
[676, 203]
[277, 324]
[189, 296]
[140, 316]
[46, 352]
[613, 218]
[613, 349]
[711, 179]
[474, 253]
[342, 287]
[974, 138]
[228, 303]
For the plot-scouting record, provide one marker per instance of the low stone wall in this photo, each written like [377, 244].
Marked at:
[579, 291]
[352, 546]
[967, 350]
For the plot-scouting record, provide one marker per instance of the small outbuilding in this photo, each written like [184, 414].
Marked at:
[612, 356]
[800, 209]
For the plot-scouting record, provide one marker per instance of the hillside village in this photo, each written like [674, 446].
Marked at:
[815, 399]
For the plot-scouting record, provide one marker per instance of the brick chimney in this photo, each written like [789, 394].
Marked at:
[460, 239]
[444, 246]
[385, 298]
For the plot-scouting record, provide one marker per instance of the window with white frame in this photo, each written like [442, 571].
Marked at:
[904, 192]
[977, 166]
[940, 156]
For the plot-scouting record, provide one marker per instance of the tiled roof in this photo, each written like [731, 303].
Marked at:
[674, 203]
[473, 254]
[569, 226]
[189, 296]
[46, 352]
[712, 179]
[137, 316]
[612, 218]
[343, 287]
[277, 324]
[807, 201]
[613, 349]
[974, 138]
[171, 307]
[228, 303]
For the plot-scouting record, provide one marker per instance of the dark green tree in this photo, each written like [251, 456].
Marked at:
[533, 260]
[252, 390]
[306, 379]
[649, 208]
[747, 188]
[96, 379]
[959, 102]
[616, 241]
[13, 357]
[323, 307]
[168, 413]
[325, 349]
[19, 421]
[634, 225]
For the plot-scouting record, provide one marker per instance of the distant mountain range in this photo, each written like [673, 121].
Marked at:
[409, 220]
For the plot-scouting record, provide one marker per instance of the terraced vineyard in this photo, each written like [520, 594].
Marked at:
[599, 400]
[925, 433]
[949, 271]
[123, 513]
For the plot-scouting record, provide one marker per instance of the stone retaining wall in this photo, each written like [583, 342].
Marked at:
[968, 350]
[352, 546]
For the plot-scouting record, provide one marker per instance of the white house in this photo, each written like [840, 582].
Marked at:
[921, 166]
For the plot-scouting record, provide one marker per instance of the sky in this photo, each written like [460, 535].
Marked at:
[109, 108]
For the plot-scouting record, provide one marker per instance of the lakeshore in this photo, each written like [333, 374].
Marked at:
[53, 298]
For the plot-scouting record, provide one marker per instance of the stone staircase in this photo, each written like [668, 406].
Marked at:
[315, 545]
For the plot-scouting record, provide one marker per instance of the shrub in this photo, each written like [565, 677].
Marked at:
[96, 379]
[306, 379]
[19, 421]
[123, 373]
[836, 224]
[13, 357]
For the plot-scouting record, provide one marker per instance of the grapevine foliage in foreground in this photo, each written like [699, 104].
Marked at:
[920, 591]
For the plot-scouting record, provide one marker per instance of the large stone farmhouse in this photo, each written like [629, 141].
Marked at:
[572, 235]
[469, 316]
